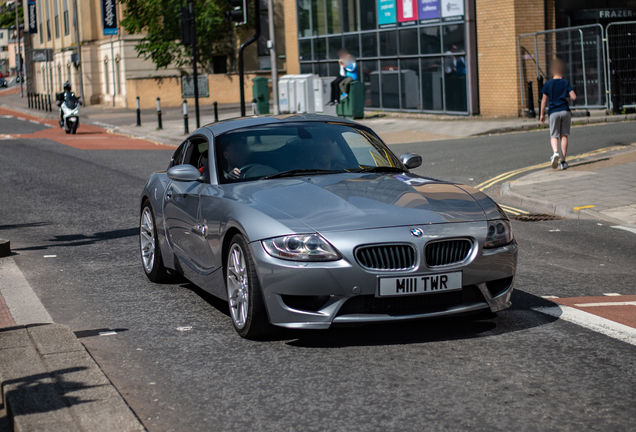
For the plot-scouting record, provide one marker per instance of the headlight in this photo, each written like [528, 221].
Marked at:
[301, 247]
[499, 234]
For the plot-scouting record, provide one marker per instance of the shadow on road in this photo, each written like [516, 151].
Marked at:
[83, 239]
[24, 225]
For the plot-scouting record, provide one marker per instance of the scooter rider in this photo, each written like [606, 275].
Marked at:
[61, 97]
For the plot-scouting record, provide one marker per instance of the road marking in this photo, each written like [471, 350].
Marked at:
[513, 210]
[583, 207]
[612, 294]
[507, 175]
[107, 333]
[549, 297]
[23, 303]
[628, 303]
[631, 229]
[592, 322]
[35, 122]
[49, 256]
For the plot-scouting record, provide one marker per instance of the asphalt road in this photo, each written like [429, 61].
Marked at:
[523, 370]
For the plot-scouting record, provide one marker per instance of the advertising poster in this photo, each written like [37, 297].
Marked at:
[407, 12]
[452, 10]
[387, 14]
[109, 17]
[429, 11]
[33, 17]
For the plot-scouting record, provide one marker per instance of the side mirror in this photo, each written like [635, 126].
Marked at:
[184, 173]
[411, 160]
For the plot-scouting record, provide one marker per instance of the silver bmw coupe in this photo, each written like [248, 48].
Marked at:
[304, 221]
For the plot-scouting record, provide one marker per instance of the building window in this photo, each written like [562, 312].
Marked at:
[65, 17]
[407, 64]
[56, 19]
[41, 34]
[48, 29]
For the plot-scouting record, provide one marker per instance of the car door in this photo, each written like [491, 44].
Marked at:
[186, 230]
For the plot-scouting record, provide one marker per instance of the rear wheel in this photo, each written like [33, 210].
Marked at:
[149, 246]
[245, 299]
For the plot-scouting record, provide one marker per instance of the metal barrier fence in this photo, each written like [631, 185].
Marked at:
[583, 50]
[621, 61]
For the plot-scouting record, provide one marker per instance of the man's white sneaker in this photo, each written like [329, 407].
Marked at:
[555, 160]
[564, 165]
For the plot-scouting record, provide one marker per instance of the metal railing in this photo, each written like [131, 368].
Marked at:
[582, 48]
[621, 62]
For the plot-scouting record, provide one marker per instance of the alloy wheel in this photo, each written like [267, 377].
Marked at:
[237, 286]
[147, 240]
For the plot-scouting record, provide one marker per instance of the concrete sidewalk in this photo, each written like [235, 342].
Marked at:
[602, 187]
[393, 128]
[49, 381]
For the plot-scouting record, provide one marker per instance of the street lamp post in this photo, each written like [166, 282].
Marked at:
[19, 56]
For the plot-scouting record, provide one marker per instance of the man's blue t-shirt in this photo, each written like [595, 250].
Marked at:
[557, 91]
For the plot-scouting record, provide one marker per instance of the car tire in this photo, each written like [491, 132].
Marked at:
[151, 259]
[245, 299]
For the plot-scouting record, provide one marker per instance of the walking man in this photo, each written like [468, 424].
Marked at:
[555, 94]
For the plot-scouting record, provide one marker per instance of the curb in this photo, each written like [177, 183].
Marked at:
[576, 121]
[50, 382]
[545, 206]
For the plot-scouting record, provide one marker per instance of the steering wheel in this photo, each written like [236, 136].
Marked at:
[257, 170]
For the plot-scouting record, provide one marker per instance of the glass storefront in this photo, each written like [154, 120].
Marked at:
[411, 54]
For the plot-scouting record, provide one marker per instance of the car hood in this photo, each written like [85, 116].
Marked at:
[339, 202]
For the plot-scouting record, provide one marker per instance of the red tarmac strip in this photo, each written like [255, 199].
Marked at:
[6, 320]
[88, 137]
[621, 313]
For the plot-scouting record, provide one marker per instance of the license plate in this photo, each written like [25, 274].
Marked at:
[419, 284]
[72, 119]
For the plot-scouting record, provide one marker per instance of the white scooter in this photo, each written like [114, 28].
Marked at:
[69, 108]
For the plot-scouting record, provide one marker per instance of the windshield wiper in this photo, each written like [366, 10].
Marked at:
[377, 169]
[301, 172]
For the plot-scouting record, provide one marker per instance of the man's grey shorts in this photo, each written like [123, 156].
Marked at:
[560, 124]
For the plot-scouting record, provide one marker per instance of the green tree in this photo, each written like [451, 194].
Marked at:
[7, 15]
[160, 21]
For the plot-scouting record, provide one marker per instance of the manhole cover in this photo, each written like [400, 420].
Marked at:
[535, 217]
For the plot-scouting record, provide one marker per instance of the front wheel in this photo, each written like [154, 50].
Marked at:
[245, 299]
[74, 127]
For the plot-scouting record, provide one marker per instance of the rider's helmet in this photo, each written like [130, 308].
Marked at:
[67, 86]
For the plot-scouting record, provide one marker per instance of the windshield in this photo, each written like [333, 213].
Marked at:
[70, 100]
[296, 149]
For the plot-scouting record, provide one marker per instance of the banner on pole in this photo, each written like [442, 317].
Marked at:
[33, 17]
[109, 17]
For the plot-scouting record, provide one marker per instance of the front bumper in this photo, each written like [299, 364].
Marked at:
[346, 293]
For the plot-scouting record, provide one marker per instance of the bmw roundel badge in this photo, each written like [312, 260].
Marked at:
[417, 232]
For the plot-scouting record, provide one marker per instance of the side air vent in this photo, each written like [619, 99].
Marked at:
[386, 257]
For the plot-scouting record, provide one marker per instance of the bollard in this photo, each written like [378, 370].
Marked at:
[216, 112]
[186, 126]
[29, 100]
[37, 100]
[160, 126]
[50, 106]
[254, 107]
[539, 88]
[138, 112]
[531, 113]
[616, 102]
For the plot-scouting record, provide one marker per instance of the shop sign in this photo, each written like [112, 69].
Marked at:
[42, 55]
[452, 10]
[407, 12]
[109, 17]
[33, 17]
[387, 15]
[617, 14]
[429, 11]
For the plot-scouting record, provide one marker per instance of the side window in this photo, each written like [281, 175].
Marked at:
[197, 153]
[177, 157]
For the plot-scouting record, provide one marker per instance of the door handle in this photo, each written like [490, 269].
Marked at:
[169, 194]
[201, 229]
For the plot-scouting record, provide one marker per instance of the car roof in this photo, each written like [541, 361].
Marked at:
[220, 127]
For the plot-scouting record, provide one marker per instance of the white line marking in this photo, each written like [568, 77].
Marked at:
[107, 333]
[554, 230]
[50, 256]
[612, 294]
[549, 297]
[627, 303]
[23, 303]
[35, 122]
[186, 328]
[630, 228]
[596, 323]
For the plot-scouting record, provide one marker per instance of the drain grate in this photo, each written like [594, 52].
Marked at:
[541, 217]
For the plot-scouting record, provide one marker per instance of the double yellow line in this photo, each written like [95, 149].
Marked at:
[513, 210]
[507, 175]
